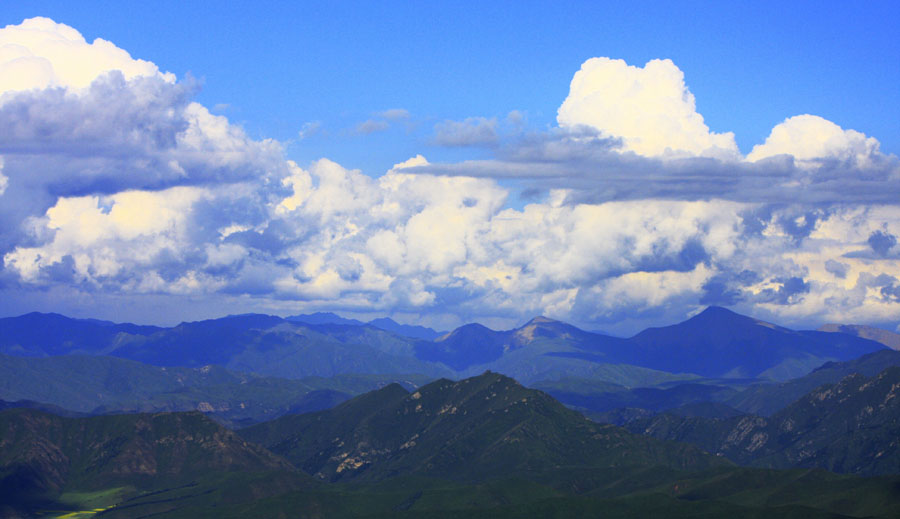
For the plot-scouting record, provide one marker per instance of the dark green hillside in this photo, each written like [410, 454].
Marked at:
[601, 398]
[475, 429]
[483, 447]
[624, 415]
[850, 427]
[43, 455]
[732, 493]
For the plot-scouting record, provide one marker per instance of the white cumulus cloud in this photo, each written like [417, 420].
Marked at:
[650, 108]
[86, 119]
[117, 183]
[40, 53]
[810, 137]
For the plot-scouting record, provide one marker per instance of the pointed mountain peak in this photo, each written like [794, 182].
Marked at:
[545, 327]
[719, 317]
[718, 312]
[467, 330]
[724, 316]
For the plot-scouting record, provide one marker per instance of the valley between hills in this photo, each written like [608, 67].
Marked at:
[321, 416]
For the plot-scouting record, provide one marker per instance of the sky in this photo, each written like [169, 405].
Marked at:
[616, 166]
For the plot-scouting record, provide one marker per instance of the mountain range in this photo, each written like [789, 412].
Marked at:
[762, 397]
[473, 429]
[99, 384]
[480, 447]
[320, 416]
[384, 323]
[715, 343]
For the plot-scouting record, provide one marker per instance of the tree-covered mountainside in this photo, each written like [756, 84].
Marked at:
[472, 429]
[767, 399]
[480, 447]
[849, 427]
[44, 456]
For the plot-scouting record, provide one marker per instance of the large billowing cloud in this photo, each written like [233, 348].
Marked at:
[627, 132]
[79, 118]
[115, 184]
[649, 108]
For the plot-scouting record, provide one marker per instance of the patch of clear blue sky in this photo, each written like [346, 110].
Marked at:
[279, 65]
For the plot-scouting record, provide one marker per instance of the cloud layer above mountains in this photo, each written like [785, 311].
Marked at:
[115, 184]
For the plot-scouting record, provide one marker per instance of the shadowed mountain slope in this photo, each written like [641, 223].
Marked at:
[852, 427]
[271, 346]
[40, 335]
[766, 399]
[719, 342]
[98, 384]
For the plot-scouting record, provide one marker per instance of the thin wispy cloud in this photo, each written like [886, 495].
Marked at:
[473, 131]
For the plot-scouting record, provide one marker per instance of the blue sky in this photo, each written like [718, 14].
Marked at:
[279, 65]
[646, 207]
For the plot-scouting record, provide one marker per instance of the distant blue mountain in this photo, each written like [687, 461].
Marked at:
[323, 318]
[470, 344]
[715, 343]
[718, 342]
[40, 335]
[416, 332]
[384, 323]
